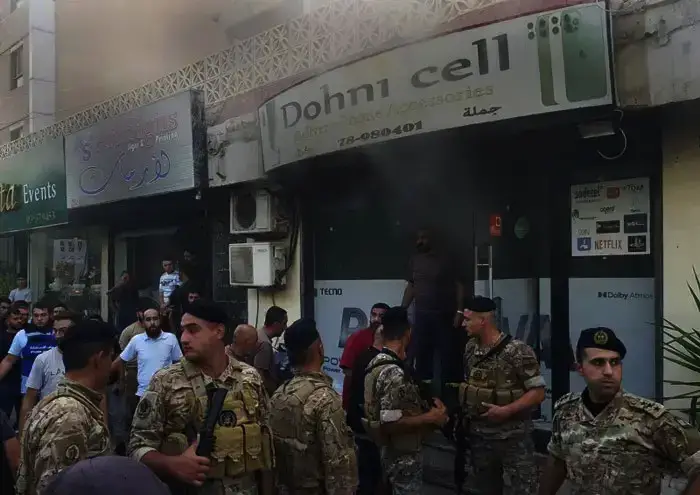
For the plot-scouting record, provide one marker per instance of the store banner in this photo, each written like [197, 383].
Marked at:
[33, 188]
[611, 218]
[342, 308]
[156, 149]
[551, 61]
[627, 306]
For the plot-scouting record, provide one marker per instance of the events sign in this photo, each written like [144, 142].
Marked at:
[342, 308]
[610, 218]
[155, 149]
[33, 188]
[546, 62]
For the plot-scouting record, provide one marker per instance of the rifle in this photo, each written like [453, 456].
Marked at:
[215, 403]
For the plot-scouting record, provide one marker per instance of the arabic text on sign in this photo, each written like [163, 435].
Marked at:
[150, 174]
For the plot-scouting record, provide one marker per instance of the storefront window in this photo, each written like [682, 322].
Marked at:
[67, 266]
[8, 264]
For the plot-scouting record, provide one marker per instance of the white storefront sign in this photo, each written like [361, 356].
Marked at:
[546, 62]
[610, 218]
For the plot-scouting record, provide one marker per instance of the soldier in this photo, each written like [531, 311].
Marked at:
[606, 440]
[68, 425]
[395, 412]
[171, 412]
[503, 386]
[313, 445]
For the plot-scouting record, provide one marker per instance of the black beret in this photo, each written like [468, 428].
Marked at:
[600, 338]
[207, 311]
[480, 304]
[107, 475]
[300, 335]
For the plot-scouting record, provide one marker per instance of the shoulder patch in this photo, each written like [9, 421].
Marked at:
[569, 398]
[642, 404]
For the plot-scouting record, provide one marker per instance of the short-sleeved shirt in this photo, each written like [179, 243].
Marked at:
[152, 354]
[434, 281]
[21, 295]
[18, 348]
[626, 448]
[47, 372]
[168, 282]
[11, 382]
[264, 360]
[125, 337]
[357, 343]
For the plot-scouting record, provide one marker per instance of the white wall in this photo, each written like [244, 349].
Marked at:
[681, 224]
[289, 299]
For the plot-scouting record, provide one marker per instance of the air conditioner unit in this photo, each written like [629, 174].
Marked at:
[256, 264]
[254, 212]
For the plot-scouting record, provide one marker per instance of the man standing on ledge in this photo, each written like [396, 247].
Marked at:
[171, 412]
[314, 447]
[438, 293]
[503, 386]
[606, 440]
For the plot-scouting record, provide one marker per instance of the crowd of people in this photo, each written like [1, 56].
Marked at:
[213, 409]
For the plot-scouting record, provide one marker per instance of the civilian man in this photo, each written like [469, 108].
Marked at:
[10, 385]
[264, 357]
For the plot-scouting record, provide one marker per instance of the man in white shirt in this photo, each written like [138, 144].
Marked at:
[153, 351]
[22, 292]
[169, 280]
[47, 370]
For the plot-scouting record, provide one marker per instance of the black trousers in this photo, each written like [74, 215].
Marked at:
[369, 467]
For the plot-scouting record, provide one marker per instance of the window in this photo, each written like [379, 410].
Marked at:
[16, 131]
[15, 4]
[16, 69]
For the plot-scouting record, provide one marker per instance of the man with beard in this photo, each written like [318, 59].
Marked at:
[356, 344]
[313, 446]
[153, 350]
[48, 369]
[68, 425]
[264, 356]
[10, 384]
[172, 409]
[36, 338]
[5, 304]
[606, 440]
[437, 293]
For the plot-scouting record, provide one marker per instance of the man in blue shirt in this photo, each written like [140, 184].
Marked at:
[153, 350]
[37, 337]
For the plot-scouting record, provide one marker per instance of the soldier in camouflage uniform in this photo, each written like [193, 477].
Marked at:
[395, 414]
[503, 386]
[171, 412]
[314, 447]
[69, 425]
[608, 441]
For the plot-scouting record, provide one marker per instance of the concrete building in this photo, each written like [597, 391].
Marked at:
[112, 60]
[27, 67]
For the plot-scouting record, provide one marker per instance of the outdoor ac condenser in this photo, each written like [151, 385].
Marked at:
[257, 264]
[254, 212]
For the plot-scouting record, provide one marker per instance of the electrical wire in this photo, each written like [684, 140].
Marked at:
[624, 140]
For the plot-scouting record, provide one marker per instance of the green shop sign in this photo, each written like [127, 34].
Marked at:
[33, 188]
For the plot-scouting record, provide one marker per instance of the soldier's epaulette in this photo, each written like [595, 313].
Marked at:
[650, 407]
[566, 399]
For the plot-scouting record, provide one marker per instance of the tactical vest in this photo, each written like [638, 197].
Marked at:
[242, 446]
[300, 467]
[492, 386]
[37, 342]
[400, 443]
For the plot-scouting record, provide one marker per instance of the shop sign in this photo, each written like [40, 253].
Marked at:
[33, 188]
[610, 218]
[551, 61]
[342, 308]
[156, 149]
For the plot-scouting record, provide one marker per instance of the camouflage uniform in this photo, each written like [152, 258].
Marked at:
[389, 396]
[172, 410]
[624, 449]
[507, 447]
[313, 445]
[65, 427]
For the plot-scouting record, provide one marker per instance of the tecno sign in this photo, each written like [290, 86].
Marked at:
[624, 295]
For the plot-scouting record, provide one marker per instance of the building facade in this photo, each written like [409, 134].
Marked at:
[526, 203]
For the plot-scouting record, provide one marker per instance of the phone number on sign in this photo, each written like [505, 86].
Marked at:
[381, 133]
